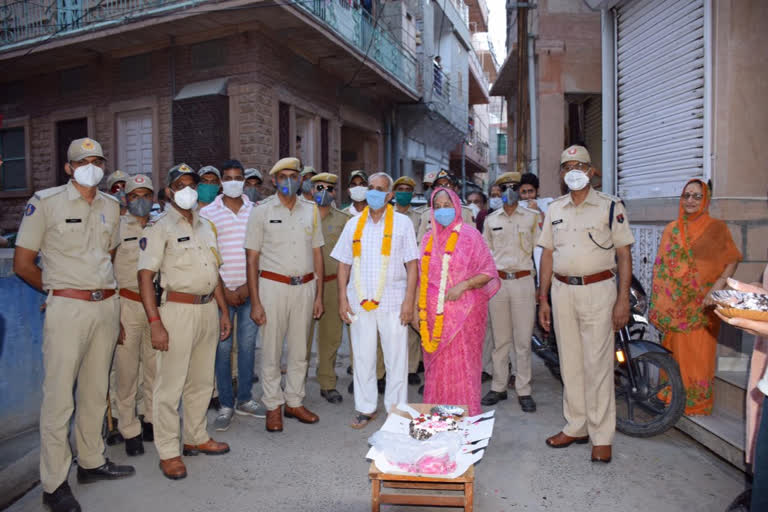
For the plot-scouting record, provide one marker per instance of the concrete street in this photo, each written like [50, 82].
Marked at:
[321, 468]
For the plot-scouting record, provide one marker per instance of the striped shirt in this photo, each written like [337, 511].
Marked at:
[230, 231]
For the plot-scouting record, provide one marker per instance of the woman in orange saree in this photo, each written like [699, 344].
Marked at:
[695, 257]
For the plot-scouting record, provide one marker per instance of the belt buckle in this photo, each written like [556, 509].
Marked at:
[97, 295]
[296, 280]
[205, 299]
[575, 280]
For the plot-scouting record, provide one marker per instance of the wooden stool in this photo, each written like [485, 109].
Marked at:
[463, 483]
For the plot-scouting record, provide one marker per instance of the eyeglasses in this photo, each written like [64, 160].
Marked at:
[329, 188]
[688, 195]
[233, 178]
[505, 186]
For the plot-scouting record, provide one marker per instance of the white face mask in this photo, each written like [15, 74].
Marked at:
[495, 203]
[475, 209]
[358, 193]
[89, 175]
[186, 198]
[576, 179]
[233, 188]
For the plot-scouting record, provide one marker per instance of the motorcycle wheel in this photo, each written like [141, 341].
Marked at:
[640, 413]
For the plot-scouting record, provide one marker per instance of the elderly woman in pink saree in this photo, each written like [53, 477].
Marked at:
[453, 341]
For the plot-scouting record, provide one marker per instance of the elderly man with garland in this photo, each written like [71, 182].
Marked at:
[377, 275]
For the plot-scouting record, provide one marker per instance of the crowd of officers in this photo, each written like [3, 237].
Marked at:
[145, 292]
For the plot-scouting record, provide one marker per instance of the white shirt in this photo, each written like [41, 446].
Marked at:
[403, 250]
[353, 211]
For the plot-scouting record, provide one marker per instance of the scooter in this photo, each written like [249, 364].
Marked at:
[650, 396]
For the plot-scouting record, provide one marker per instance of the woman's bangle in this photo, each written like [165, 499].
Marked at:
[154, 319]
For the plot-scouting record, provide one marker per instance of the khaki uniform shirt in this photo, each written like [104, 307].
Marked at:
[333, 225]
[415, 218]
[127, 254]
[580, 237]
[74, 238]
[285, 238]
[425, 223]
[186, 255]
[511, 238]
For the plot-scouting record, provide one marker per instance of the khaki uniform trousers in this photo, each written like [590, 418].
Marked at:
[130, 383]
[488, 345]
[513, 312]
[289, 317]
[78, 341]
[585, 340]
[184, 373]
[329, 331]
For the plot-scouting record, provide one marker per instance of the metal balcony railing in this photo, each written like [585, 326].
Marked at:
[25, 21]
[359, 29]
[477, 70]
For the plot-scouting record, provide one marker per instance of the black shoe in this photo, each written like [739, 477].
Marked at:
[382, 384]
[214, 403]
[61, 500]
[493, 397]
[421, 389]
[349, 370]
[107, 471]
[134, 446]
[485, 377]
[351, 388]
[414, 379]
[331, 395]
[147, 432]
[255, 378]
[527, 403]
[420, 369]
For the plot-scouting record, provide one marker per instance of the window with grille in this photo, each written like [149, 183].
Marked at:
[13, 172]
[501, 143]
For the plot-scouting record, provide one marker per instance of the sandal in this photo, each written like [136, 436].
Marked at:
[361, 420]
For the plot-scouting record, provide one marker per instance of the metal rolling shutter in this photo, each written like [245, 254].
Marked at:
[660, 61]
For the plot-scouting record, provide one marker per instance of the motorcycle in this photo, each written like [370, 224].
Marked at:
[643, 370]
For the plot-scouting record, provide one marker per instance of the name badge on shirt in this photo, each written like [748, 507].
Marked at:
[496, 229]
[73, 221]
[130, 239]
[183, 239]
[556, 222]
[275, 221]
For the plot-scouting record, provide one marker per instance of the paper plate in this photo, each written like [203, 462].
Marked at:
[761, 316]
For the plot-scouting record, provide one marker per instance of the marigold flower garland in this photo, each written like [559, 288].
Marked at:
[430, 344]
[386, 250]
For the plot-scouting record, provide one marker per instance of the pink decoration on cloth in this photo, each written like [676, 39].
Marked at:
[430, 465]
[452, 372]
[754, 395]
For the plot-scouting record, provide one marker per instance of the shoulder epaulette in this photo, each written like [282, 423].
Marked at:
[609, 197]
[50, 192]
[342, 212]
[110, 196]
[152, 221]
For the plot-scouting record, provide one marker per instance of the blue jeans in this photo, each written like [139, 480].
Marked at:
[246, 346]
[760, 464]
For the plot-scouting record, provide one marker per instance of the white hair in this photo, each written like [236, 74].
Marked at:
[390, 181]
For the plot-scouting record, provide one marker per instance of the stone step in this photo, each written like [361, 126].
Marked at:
[19, 465]
[730, 392]
[722, 433]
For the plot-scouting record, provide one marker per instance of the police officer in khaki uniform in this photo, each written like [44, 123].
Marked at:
[284, 258]
[186, 327]
[306, 176]
[75, 229]
[511, 233]
[116, 186]
[586, 239]
[358, 186]
[134, 355]
[404, 187]
[443, 179]
[329, 329]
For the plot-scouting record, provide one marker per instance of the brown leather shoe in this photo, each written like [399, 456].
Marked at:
[173, 468]
[210, 447]
[302, 414]
[601, 453]
[561, 440]
[275, 420]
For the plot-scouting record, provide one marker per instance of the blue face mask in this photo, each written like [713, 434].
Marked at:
[376, 199]
[288, 187]
[444, 216]
[323, 198]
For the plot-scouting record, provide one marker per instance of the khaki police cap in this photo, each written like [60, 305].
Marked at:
[308, 170]
[508, 177]
[429, 178]
[116, 176]
[179, 170]
[325, 177]
[404, 180]
[290, 163]
[209, 169]
[443, 174]
[575, 154]
[138, 181]
[360, 173]
[83, 148]
[253, 173]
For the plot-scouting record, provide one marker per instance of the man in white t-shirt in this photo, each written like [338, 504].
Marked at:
[377, 296]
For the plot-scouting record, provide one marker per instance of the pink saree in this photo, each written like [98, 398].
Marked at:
[452, 372]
